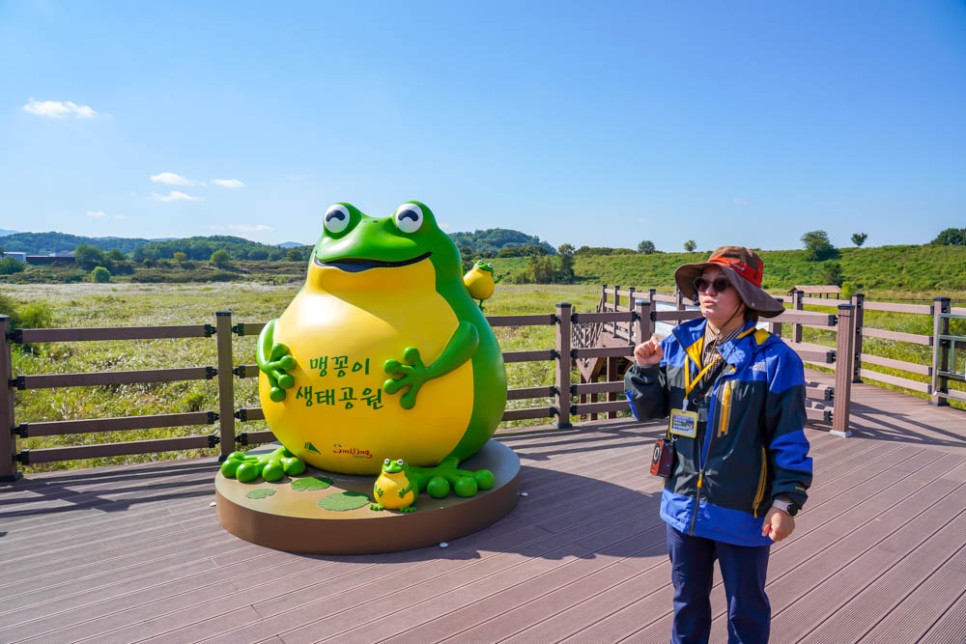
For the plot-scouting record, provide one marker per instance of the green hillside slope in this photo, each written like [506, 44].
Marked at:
[926, 269]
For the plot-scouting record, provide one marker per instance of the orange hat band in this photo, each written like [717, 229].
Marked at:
[747, 272]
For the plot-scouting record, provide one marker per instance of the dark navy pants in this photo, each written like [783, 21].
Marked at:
[743, 570]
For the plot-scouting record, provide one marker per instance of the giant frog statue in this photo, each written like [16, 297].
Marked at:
[383, 354]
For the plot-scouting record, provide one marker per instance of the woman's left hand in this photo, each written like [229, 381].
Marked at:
[778, 525]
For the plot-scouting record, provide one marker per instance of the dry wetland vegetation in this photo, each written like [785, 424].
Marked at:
[103, 305]
[129, 304]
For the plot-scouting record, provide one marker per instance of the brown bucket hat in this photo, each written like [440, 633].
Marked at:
[743, 268]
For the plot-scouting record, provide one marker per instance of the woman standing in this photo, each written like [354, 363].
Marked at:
[736, 401]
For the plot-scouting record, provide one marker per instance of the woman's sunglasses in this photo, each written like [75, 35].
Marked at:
[720, 284]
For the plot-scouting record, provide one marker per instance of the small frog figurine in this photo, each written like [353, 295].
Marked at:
[394, 490]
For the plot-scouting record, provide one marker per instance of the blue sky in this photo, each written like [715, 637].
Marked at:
[602, 123]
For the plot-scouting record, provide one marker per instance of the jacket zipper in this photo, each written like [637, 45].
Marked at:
[705, 453]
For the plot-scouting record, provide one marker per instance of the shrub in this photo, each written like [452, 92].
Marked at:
[9, 266]
[100, 275]
[220, 258]
[36, 315]
[8, 308]
[832, 273]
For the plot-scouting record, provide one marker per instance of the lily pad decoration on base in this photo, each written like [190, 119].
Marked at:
[311, 483]
[260, 493]
[344, 501]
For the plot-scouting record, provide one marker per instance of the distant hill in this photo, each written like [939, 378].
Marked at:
[486, 243]
[51, 242]
[202, 247]
[492, 240]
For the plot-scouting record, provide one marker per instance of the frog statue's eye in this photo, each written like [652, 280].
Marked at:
[336, 218]
[408, 217]
[386, 462]
[399, 462]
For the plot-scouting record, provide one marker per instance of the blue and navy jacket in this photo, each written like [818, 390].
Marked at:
[752, 447]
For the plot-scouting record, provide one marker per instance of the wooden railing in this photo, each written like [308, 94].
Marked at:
[939, 371]
[555, 401]
[621, 321]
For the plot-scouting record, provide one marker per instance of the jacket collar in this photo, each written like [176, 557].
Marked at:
[690, 335]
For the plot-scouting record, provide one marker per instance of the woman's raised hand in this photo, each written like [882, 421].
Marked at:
[650, 352]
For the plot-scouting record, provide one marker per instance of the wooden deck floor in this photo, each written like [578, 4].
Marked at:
[136, 554]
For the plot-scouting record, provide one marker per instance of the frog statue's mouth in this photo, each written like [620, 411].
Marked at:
[359, 264]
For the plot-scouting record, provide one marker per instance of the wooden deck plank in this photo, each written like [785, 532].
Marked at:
[832, 584]
[913, 615]
[919, 589]
[951, 627]
[123, 554]
[474, 592]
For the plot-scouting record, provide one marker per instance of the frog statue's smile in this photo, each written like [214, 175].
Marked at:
[359, 264]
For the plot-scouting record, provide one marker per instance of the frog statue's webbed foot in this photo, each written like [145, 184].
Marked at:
[275, 361]
[438, 481]
[411, 374]
[271, 467]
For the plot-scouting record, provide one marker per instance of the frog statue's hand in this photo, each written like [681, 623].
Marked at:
[413, 374]
[275, 361]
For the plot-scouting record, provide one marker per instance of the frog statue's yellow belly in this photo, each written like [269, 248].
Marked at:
[337, 417]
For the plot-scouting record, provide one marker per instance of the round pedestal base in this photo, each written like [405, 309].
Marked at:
[303, 515]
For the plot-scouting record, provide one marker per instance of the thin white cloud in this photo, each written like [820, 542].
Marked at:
[120, 216]
[244, 228]
[172, 179]
[228, 183]
[59, 109]
[740, 202]
[174, 195]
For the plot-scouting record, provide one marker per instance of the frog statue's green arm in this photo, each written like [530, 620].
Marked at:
[275, 361]
[461, 347]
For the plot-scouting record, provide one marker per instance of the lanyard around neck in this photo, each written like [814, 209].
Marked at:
[689, 382]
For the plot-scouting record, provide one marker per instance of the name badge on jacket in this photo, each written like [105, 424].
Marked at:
[683, 423]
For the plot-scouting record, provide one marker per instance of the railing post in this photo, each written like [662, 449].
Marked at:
[617, 301]
[8, 440]
[630, 307]
[645, 325]
[940, 352]
[798, 305]
[226, 383]
[843, 371]
[858, 301]
[776, 327]
[679, 299]
[564, 360]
